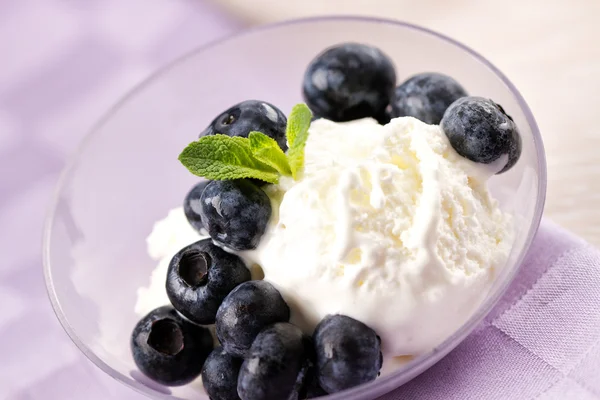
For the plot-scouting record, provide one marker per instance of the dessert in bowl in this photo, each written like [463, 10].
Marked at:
[374, 197]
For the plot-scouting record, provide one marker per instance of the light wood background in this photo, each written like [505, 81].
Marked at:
[550, 49]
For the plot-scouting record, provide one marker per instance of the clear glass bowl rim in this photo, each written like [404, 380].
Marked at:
[413, 368]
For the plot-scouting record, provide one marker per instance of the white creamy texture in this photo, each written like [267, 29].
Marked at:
[388, 225]
[168, 237]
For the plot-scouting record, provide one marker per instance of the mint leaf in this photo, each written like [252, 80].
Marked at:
[297, 134]
[266, 150]
[220, 157]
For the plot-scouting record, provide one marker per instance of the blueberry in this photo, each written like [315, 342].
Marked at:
[192, 206]
[271, 368]
[307, 380]
[348, 82]
[248, 116]
[200, 276]
[348, 353]
[311, 388]
[235, 213]
[426, 97]
[303, 389]
[479, 130]
[248, 309]
[168, 349]
[220, 375]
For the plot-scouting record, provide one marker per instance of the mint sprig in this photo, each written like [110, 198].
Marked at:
[221, 157]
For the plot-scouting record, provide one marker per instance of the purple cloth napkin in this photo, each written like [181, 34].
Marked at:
[65, 62]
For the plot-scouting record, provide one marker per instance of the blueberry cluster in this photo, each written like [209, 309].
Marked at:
[352, 81]
[235, 213]
[170, 344]
[261, 355]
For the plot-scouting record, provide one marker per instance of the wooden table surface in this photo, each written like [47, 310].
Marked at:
[550, 49]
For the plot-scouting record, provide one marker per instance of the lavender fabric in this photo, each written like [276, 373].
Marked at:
[65, 62]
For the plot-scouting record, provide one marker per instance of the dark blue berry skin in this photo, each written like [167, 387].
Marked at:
[426, 97]
[220, 375]
[311, 388]
[192, 206]
[247, 310]
[271, 368]
[168, 349]
[249, 116]
[235, 213]
[200, 276]
[348, 353]
[479, 130]
[307, 380]
[348, 82]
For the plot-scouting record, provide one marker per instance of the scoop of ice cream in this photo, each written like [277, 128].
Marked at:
[388, 225]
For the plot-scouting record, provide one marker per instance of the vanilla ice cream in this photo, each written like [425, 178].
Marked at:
[168, 237]
[388, 225]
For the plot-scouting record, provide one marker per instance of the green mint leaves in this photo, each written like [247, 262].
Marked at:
[222, 157]
[297, 134]
[266, 150]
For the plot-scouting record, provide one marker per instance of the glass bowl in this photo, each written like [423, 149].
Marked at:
[125, 175]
